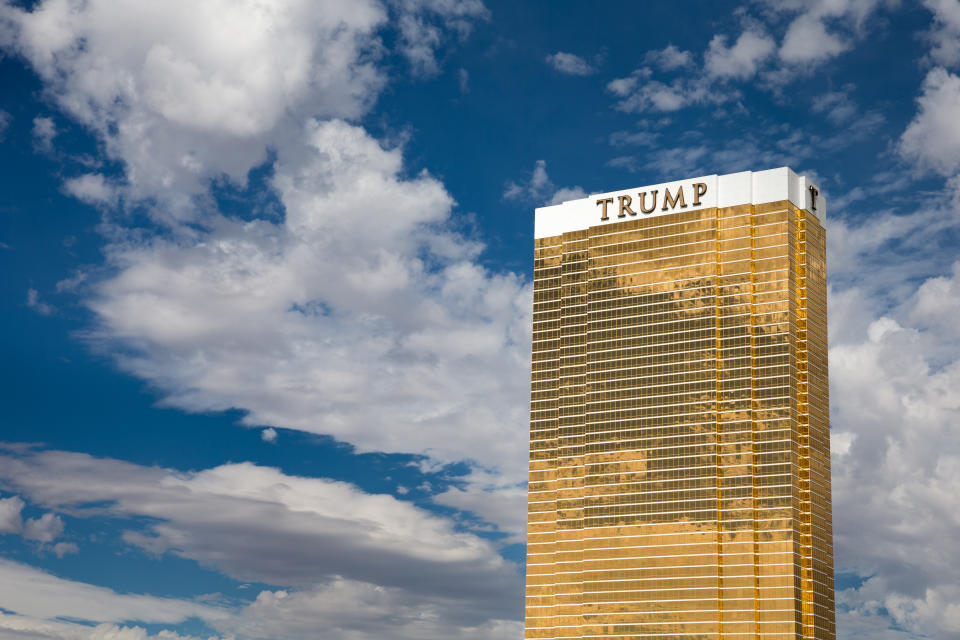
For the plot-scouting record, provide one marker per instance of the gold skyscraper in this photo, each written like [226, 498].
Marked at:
[679, 424]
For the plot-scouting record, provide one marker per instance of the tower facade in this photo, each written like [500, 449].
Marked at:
[679, 423]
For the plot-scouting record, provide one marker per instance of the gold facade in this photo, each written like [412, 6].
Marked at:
[679, 435]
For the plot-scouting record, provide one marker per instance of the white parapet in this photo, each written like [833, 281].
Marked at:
[746, 187]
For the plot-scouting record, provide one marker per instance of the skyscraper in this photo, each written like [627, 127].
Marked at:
[679, 425]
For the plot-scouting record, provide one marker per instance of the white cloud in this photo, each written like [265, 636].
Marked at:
[807, 41]
[269, 435]
[635, 138]
[670, 58]
[34, 593]
[894, 375]
[638, 94]
[10, 519]
[424, 23]
[5, 119]
[91, 188]
[820, 30]
[741, 60]
[44, 131]
[16, 627]
[932, 139]
[366, 563]
[570, 64]
[64, 549]
[258, 524]
[360, 315]
[34, 302]
[181, 93]
[945, 33]
[836, 105]
[44, 529]
[343, 609]
[623, 87]
[494, 499]
[866, 283]
[776, 146]
[393, 337]
[563, 194]
[540, 189]
[348, 610]
[895, 391]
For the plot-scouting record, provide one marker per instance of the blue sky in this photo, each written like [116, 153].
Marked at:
[266, 292]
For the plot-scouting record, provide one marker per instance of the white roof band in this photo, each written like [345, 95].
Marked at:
[746, 187]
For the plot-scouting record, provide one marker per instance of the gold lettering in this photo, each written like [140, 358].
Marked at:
[604, 202]
[625, 206]
[699, 189]
[672, 201]
[643, 196]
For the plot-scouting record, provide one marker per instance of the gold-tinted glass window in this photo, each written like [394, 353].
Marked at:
[679, 436]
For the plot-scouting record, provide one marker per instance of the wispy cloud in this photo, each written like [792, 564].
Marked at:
[34, 302]
[540, 189]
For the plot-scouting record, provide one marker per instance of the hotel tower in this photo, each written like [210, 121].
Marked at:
[679, 431]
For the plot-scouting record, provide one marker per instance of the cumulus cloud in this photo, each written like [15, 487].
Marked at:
[258, 524]
[10, 519]
[495, 499]
[821, 30]
[865, 282]
[181, 94]
[932, 139]
[91, 188]
[359, 315]
[818, 31]
[180, 105]
[269, 435]
[894, 371]
[944, 36]
[895, 393]
[381, 330]
[46, 528]
[540, 189]
[670, 58]
[570, 64]
[808, 41]
[741, 60]
[712, 85]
